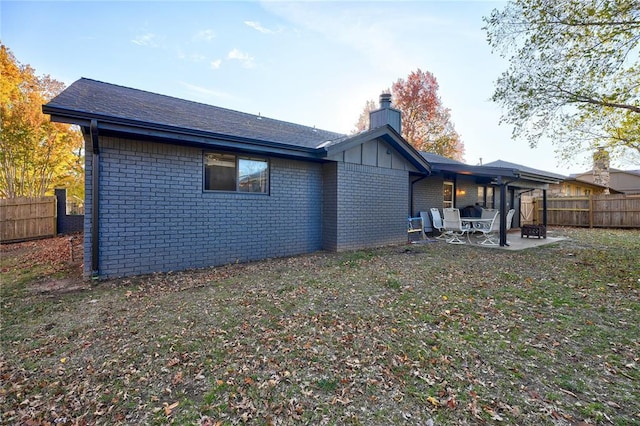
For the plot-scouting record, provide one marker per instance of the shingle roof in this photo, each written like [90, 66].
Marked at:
[108, 101]
[611, 169]
[530, 170]
[438, 159]
[500, 168]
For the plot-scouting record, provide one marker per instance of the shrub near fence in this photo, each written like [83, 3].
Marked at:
[27, 218]
[602, 211]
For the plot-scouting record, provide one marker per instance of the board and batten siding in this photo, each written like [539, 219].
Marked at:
[375, 153]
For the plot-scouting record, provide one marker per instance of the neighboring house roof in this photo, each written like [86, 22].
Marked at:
[123, 110]
[611, 170]
[588, 185]
[625, 181]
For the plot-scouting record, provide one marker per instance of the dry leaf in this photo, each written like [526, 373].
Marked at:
[433, 401]
[169, 408]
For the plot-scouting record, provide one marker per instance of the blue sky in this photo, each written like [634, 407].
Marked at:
[311, 63]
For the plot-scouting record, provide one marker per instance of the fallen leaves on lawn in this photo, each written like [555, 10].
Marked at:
[434, 334]
[168, 408]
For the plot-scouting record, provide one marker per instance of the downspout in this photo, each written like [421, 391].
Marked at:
[95, 199]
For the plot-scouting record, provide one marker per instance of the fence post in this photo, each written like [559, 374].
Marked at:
[544, 207]
[61, 209]
[590, 210]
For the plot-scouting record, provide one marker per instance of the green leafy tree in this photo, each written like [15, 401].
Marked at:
[35, 154]
[574, 72]
[426, 123]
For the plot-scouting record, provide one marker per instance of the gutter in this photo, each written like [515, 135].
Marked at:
[194, 137]
[95, 199]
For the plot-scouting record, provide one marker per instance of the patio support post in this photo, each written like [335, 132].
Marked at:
[503, 212]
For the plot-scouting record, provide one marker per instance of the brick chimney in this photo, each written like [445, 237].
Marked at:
[601, 168]
[386, 115]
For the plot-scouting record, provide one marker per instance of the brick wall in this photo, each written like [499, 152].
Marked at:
[154, 215]
[427, 193]
[330, 206]
[372, 206]
[466, 192]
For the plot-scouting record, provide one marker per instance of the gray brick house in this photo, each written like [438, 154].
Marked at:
[173, 184]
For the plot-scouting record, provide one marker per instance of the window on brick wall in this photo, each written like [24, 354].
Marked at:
[230, 172]
[485, 196]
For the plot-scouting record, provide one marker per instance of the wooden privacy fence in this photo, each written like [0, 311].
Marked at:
[27, 218]
[603, 211]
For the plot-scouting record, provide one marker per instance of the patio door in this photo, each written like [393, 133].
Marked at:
[447, 192]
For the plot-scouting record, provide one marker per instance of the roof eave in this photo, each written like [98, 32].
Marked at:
[494, 172]
[480, 171]
[190, 137]
[539, 178]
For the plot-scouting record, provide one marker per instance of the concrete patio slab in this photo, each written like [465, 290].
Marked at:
[517, 243]
[513, 239]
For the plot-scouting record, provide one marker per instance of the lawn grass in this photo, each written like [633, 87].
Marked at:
[398, 335]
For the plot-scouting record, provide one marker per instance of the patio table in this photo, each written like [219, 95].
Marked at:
[476, 222]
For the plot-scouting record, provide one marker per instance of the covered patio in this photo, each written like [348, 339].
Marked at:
[505, 182]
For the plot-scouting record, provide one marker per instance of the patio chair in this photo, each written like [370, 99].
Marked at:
[453, 224]
[437, 224]
[428, 226]
[487, 214]
[415, 226]
[490, 232]
[510, 214]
